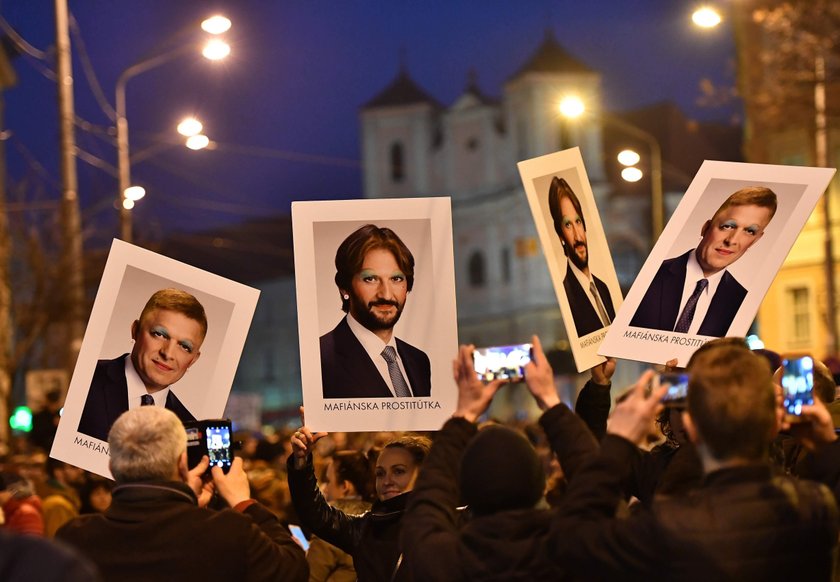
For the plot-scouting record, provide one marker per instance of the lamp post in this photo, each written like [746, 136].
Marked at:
[215, 50]
[574, 107]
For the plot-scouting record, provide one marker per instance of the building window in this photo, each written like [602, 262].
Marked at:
[506, 265]
[799, 299]
[397, 162]
[476, 269]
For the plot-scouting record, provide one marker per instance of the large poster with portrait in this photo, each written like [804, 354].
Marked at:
[575, 248]
[376, 313]
[715, 260]
[161, 333]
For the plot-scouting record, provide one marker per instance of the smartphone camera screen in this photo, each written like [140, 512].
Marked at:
[677, 388]
[501, 362]
[218, 446]
[798, 383]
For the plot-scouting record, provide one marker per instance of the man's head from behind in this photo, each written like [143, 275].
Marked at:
[735, 227]
[731, 403]
[148, 443]
[167, 337]
[569, 222]
[500, 470]
[374, 274]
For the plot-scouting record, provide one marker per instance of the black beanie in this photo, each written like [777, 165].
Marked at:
[500, 470]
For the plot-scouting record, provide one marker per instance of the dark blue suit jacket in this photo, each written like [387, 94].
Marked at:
[348, 372]
[108, 398]
[661, 303]
[585, 316]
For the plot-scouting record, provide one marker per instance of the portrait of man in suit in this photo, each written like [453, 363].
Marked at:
[589, 298]
[167, 339]
[361, 357]
[694, 293]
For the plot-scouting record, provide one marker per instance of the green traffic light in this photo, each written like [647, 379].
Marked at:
[21, 419]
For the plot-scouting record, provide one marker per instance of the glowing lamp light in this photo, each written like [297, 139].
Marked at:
[128, 204]
[628, 158]
[198, 142]
[134, 193]
[631, 174]
[21, 419]
[706, 17]
[571, 106]
[216, 50]
[190, 127]
[216, 24]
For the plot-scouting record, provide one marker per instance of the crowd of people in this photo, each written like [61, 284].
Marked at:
[718, 486]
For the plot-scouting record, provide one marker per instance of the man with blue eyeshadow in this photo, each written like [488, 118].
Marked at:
[361, 357]
[167, 339]
[694, 293]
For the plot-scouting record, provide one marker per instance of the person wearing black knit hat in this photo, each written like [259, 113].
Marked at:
[496, 472]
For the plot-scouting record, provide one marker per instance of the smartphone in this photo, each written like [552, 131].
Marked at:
[297, 533]
[677, 388]
[501, 362]
[797, 383]
[211, 438]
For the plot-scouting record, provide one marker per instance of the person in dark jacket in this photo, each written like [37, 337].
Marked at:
[372, 538]
[741, 524]
[158, 526]
[496, 472]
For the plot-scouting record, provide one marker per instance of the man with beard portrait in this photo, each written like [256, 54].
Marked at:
[361, 357]
[588, 296]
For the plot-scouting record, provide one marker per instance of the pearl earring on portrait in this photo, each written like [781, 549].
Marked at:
[346, 296]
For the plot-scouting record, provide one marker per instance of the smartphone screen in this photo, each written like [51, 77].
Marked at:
[798, 383]
[677, 388]
[218, 445]
[297, 533]
[501, 362]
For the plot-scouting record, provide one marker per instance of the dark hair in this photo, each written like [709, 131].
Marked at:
[355, 467]
[178, 301]
[558, 190]
[417, 446]
[824, 387]
[351, 255]
[732, 402]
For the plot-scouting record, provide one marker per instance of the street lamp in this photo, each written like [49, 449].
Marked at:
[573, 107]
[123, 162]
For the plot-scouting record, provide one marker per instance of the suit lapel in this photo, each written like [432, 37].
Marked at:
[671, 291]
[362, 372]
[116, 401]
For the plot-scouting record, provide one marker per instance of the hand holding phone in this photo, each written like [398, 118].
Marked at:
[211, 438]
[501, 362]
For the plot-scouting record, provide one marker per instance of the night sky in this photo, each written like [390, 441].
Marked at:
[294, 83]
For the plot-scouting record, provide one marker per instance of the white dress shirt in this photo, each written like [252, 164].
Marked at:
[374, 345]
[136, 387]
[693, 273]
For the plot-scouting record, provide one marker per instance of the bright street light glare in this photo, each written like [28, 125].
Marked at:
[571, 106]
[706, 17]
[628, 158]
[216, 50]
[134, 193]
[189, 127]
[217, 24]
[128, 204]
[198, 142]
[631, 174]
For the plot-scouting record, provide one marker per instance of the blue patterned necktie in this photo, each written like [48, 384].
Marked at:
[147, 400]
[400, 385]
[684, 322]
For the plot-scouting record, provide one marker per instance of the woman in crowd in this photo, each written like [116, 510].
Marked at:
[348, 485]
[372, 539]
